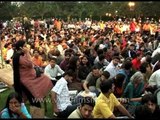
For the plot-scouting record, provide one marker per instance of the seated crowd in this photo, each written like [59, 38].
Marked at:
[115, 74]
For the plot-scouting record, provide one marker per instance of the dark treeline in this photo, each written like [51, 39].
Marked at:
[78, 9]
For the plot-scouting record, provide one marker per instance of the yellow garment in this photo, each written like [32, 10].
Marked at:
[102, 26]
[105, 106]
[4, 53]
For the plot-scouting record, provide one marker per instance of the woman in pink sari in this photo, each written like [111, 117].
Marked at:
[25, 81]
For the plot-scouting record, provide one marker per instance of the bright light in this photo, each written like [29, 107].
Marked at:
[109, 14]
[131, 4]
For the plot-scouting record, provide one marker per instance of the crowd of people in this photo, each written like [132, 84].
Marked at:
[114, 65]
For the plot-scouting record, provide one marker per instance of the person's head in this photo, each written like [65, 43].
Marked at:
[132, 47]
[84, 60]
[36, 53]
[148, 58]
[119, 80]
[137, 78]
[144, 67]
[127, 65]
[150, 100]
[19, 44]
[115, 60]
[69, 75]
[138, 55]
[142, 112]
[105, 75]
[86, 106]
[107, 86]
[101, 58]
[74, 61]
[67, 56]
[95, 71]
[41, 50]
[52, 62]
[13, 100]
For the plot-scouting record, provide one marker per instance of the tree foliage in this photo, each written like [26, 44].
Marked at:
[77, 9]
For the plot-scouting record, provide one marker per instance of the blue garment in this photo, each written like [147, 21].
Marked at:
[132, 92]
[127, 76]
[5, 113]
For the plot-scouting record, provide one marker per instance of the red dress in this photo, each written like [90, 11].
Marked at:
[38, 86]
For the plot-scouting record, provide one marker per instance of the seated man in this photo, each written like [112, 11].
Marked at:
[60, 96]
[85, 109]
[52, 70]
[104, 76]
[89, 84]
[106, 102]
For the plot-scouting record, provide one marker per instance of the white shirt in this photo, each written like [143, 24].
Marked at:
[113, 70]
[63, 97]
[53, 72]
[155, 52]
[9, 54]
[155, 78]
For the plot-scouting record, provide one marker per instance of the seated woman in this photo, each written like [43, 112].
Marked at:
[134, 89]
[119, 83]
[15, 108]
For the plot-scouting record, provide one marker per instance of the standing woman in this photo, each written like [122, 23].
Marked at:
[25, 81]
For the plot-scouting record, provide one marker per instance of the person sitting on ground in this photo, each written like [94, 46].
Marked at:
[134, 89]
[52, 70]
[64, 63]
[84, 68]
[113, 68]
[119, 84]
[60, 96]
[37, 59]
[106, 102]
[14, 108]
[89, 84]
[105, 75]
[85, 109]
[150, 101]
[143, 112]
[154, 80]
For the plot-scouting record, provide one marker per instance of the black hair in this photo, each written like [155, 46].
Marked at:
[87, 101]
[149, 97]
[99, 51]
[106, 74]
[127, 64]
[94, 67]
[118, 80]
[53, 58]
[11, 96]
[143, 112]
[67, 54]
[16, 73]
[101, 57]
[73, 63]
[148, 58]
[19, 44]
[69, 72]
[115, 57]
[106, 85]
[143, 67]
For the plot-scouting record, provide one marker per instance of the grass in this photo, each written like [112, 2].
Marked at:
[4, 95]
